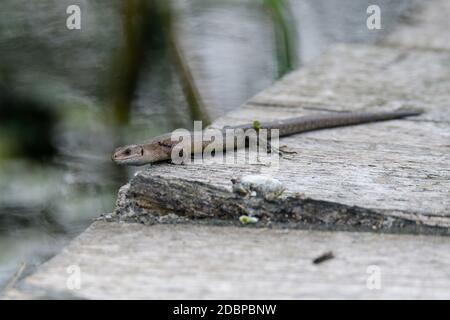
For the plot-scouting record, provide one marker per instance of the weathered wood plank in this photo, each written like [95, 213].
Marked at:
[426, 29]
[363, 77]
[397, 170]
[132, 261]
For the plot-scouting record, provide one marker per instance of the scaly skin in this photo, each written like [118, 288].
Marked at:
[160, 148]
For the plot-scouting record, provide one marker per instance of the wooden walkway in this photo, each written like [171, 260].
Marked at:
[384, 177]
[133, 261]
[396, 173]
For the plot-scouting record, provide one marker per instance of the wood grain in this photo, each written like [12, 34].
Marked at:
[132, 261]
[397, 172]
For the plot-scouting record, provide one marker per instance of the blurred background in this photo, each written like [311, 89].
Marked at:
[136, 69]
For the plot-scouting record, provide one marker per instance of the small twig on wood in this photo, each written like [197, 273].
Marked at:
[324, 257]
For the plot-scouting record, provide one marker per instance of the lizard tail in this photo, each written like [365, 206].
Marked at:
[332, 120]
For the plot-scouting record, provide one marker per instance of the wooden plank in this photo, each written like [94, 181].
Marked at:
[396, 172]
[426, 29]
[132, 261]
[364, 77]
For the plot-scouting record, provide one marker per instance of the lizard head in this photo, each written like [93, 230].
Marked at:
[132, 155]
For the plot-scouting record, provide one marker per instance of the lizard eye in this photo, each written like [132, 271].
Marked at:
[127, 152]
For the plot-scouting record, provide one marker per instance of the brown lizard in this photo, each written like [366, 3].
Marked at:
[160, 147]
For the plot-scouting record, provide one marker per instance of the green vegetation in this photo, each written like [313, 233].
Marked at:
[285, 35]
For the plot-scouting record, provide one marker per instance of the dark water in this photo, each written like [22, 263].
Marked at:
[58, 87]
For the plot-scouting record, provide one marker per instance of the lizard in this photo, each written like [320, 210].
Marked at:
[160, 148]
